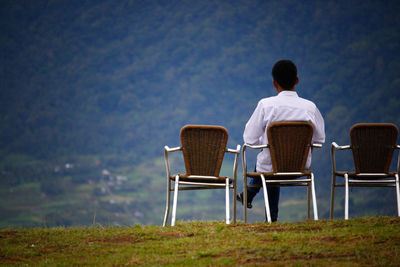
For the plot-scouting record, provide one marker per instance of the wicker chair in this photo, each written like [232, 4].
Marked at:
[373, 145]
[203, 148]
[289, 145]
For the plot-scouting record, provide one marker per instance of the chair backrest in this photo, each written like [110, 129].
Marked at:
[290, 143]
[373, 145]
[203, 149]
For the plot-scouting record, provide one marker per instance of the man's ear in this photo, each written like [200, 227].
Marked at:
[276, 85]
[297, 80]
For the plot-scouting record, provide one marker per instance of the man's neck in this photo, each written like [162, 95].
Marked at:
[280, 89]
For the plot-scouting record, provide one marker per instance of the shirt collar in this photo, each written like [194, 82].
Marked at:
[288, 93]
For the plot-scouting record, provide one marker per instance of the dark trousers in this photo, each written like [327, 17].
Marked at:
[273, 196]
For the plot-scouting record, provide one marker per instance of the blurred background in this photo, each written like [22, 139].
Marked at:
[91, 91]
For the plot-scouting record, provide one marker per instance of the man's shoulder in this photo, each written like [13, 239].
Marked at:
[307, 101]
[268, 100]
[278, 99]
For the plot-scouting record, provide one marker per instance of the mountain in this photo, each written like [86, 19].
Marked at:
[104, 85]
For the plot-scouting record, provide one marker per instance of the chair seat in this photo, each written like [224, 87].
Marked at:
[365, 177]
[279, 177]
[187, 178]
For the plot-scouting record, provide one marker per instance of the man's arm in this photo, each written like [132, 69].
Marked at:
[319, 128]
[255, 127]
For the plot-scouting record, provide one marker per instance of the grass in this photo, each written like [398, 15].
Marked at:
[358, 242]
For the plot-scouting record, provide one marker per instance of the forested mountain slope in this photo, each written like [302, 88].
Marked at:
[106, 84]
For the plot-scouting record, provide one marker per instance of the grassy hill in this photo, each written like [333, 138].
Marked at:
[358, 242]
[88, 86]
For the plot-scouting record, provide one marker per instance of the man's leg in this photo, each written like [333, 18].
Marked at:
[273, 199]
[251, 191]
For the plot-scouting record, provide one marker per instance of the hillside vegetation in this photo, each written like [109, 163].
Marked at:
[91, 91]
[359, 242]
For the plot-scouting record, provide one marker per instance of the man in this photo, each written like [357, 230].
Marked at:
[286, 106]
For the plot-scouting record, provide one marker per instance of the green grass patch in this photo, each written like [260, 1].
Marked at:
[358, 242]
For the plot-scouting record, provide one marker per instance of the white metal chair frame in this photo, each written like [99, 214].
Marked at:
[195, 185]
[354, 182]
[309, 182]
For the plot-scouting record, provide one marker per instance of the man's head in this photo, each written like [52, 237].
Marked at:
[284, 73]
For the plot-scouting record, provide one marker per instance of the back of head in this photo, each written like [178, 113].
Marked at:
[284, 73]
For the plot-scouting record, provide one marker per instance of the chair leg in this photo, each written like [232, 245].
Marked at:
[267, 210]
[314, 198]
[227, 201]
[309, 201]
[244, 199]
[397, 194]
[346, 197]
[168, 202]
[234, 202]
[333, 196]
[175, 200]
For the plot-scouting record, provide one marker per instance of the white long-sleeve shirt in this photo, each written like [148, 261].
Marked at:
[286, 106]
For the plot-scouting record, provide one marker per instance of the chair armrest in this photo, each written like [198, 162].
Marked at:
[244, 156]
[398, 159]
[166, 150]
[256, 147]
[235, 151]
[333, 148]
[336, 146]
[316, 145]
[235, 163]
[174, 149]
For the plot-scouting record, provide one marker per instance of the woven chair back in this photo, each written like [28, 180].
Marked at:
[373, 145]
[203, 149]
[290, 144]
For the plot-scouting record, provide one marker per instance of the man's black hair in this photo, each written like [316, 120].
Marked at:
[284, 73]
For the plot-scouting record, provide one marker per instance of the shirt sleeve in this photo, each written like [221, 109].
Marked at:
[319, 128]
[255, 127]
